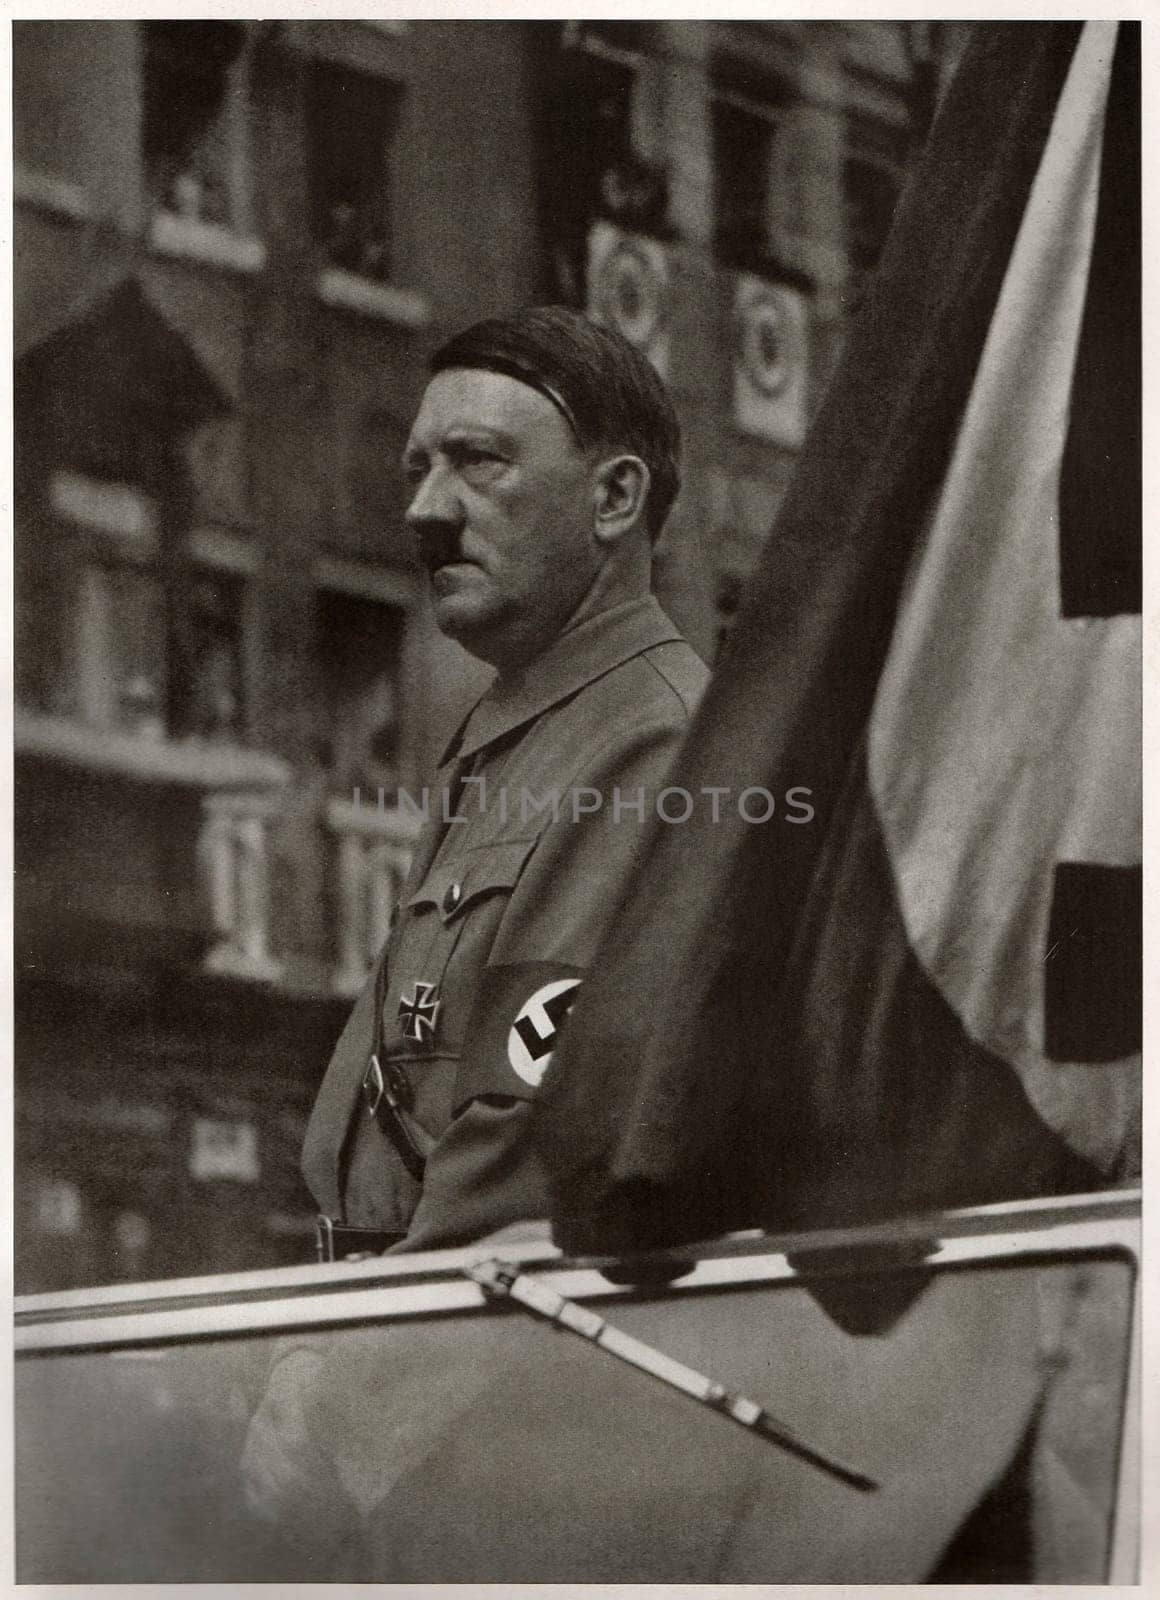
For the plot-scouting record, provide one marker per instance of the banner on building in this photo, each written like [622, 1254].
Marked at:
[629, 289]
[770, 360]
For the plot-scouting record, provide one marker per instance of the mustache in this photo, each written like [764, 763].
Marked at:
[439, 545]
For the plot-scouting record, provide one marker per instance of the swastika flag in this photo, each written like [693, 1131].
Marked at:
[929, 996]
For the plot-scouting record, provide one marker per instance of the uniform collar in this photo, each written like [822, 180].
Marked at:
[576, 658]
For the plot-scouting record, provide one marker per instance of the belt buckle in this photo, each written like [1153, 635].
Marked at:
[373, 1086]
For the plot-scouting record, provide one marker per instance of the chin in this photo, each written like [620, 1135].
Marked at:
[463, 623]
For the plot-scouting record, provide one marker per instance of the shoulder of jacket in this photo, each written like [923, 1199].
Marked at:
[660, 684]
[681, 668]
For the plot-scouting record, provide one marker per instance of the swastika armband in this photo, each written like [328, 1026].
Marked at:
[515, 1024]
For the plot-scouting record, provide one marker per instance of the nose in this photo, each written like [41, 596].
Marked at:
[434, 502]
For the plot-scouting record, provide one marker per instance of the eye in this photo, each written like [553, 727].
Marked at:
[476, 460]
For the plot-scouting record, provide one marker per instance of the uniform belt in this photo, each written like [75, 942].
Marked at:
[338, 1242]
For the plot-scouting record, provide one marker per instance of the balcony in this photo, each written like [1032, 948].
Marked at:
[182, 841]
[212, 243]
[384, 302]
[48, 192]
[191, 763]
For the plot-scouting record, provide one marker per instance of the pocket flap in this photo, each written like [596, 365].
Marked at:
[451, 886]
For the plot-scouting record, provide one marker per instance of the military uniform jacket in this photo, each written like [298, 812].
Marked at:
[552, 780]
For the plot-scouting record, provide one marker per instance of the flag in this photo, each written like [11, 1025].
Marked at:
[927, 992]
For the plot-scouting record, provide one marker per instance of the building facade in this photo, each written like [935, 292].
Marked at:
[236, 244]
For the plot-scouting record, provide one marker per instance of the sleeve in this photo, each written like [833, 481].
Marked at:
[484, 1173]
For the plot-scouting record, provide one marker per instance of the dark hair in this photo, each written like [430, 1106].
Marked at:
[606, 390]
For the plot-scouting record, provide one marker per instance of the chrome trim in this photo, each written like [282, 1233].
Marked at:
[433, 1283]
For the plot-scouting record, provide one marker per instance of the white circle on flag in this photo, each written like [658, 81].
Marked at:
[534, 1032]
[765, 352]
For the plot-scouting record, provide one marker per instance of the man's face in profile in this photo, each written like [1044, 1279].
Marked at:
[502, 507]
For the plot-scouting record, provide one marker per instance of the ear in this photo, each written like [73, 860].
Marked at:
[622, 485]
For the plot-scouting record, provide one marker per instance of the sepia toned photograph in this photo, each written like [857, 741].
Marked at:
[577, 801]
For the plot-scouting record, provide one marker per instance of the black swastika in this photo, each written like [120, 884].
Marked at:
[536, 1043]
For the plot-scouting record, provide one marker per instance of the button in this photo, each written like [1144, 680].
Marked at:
[453, 896]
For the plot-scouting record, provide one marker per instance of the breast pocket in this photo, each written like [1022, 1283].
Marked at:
[452, 920]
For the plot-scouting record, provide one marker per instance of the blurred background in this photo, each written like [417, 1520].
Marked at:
[235, 245]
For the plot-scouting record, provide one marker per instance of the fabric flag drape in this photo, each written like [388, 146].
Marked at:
[928, 994]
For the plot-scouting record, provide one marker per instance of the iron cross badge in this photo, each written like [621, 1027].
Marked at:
[419, 1011]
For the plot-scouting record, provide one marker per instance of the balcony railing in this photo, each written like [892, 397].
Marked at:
[234, 850]
[246, 796]
[373, 856]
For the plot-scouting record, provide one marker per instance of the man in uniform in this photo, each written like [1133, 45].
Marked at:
[542, 465]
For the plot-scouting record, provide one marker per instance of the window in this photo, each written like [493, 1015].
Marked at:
[205, 652]
[874, 167]
[194, 114]
[596, 146]
[122, 665]
[149, 647]
[359, 642]
[601, 110]
[750, 150]
[351, 120]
